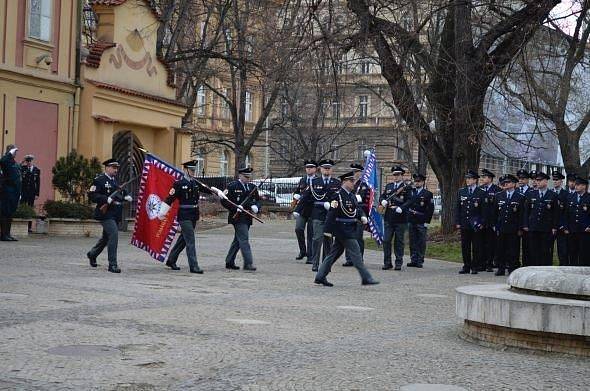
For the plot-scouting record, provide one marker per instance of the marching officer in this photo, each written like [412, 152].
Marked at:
[394, 198]
[322, 189]
[420, 211]
[562, 202]
[577, 224]
[11, 191]
[523, 188]
[508, 210]
[540, 221]
[303, 221]
[470, 220]
[245, 195]
[31, 181]
[187, 191]
[107, 195]
[362, 194]
[489, 236]
[341, 223]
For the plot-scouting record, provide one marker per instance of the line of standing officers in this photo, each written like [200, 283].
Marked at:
[519, 223]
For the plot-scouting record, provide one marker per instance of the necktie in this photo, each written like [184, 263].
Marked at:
[509, 196]
[470, 191]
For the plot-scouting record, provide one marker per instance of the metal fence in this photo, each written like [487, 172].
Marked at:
[277, 191]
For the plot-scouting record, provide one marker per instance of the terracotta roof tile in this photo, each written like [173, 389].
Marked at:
[95, 52]
[128, 91]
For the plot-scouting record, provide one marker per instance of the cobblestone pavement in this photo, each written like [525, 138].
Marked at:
[66, 326]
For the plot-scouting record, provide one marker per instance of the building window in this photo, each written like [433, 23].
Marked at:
[201, 100]
[335, 108]
[247, 161]
[363, 107]
[225, 113]
[224, 163]
[200, 158]
[248, 106]
[40, 19]
[365, 67]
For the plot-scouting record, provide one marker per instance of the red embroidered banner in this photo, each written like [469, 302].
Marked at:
[152, 234]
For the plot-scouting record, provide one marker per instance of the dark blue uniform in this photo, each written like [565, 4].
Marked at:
[245, 194]
[363, 192]
[541, 217]
[397, 194]
[576, 221]
[303, 221]
[508, 211]
[561, 237]
[341, 223]
[420, 210]
[470, 216]
[321, 190]
[524, 242]
[9, 194]
[489, 236]
[187, 191]
[31, 184]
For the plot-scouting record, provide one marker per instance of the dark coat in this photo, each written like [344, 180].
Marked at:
[469, 209]
[11, 185]
[488, 208]
[508, 214]
[541, 214]
[400, 200]
[102, 187]
[577, 214]
[187, 192]
[364, 192]
[237, 192]
[31, 179]
[343, 217]
[420, 207]
[316, 195]
[302, 186]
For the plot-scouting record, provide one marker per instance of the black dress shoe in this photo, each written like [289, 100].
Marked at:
[12, 239]
[314, 269]
[172, 266]
[419, 265]
[250, 268]
[412, 264]
[348, 264]
[387, 266]
[323, 281]
[397, 267]
[464, 271]
[490, 270]
[370, 282]
[197, 271]
[474, 271]
[300, 256]
[232, 267]
[500, 273]
[308, 262]
[92, 260]
[114, 269]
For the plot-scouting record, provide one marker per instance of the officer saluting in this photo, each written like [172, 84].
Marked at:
[303, 221]
[187, 192]
[562, 202]
[508, 209]
[31, 181]
[577, 224]
[470, 220]
[362, 194]
[420, 211]
[540, 221]
[489, 236]
[341, 222]
[101, 193]
[245, 195]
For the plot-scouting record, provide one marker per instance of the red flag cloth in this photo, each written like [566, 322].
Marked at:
[150, 233]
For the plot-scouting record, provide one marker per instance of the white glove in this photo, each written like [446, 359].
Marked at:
[297, 196]
[296, 215]
[358, 198]
[254, 209]
[326, 205]
[219, 193]
[109, 200]
[13, 151]
[384, 203]
[128, 198]
[398, 210]
[364, 220]
[240, 208]
[164, 208]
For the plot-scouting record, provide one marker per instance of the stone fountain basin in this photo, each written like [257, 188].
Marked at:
[552, 280]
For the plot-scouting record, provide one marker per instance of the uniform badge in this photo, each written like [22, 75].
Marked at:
[548, 206]
[515, 209]
[92, 188]
[171, 192]
[334, 204]
[401, 198]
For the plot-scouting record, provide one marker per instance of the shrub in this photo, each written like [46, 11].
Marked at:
[67, 210]
[73, 176]
[25, 211]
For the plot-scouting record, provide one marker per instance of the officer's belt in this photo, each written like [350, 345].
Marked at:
[188, 206]
[345, 220]
[319, 203]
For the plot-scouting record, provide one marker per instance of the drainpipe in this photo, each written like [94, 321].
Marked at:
[76, 119]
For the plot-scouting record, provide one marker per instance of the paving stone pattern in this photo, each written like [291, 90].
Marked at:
[65, 326]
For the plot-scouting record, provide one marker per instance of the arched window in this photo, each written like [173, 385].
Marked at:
[224, 163]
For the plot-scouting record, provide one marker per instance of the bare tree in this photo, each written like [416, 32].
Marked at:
[458, 48]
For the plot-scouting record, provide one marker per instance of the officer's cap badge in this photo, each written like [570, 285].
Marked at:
[334, 204]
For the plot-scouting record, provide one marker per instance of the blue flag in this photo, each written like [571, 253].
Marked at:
[375, 226]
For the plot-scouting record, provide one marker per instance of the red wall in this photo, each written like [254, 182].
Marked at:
[36, 134]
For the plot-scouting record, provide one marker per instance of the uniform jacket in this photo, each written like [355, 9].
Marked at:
[508, 213]
[343, 216]
[301, 188]
[31, 182]
[363, 190]
[488, 208]
[187, 192]
[400, 200]
[469, 209]
[237, 192]
[420, 207]
[102, 187]
[541, 214]
[11, 185]
[316, 195]
[524, 191]
[577, 214]
[562, 203]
